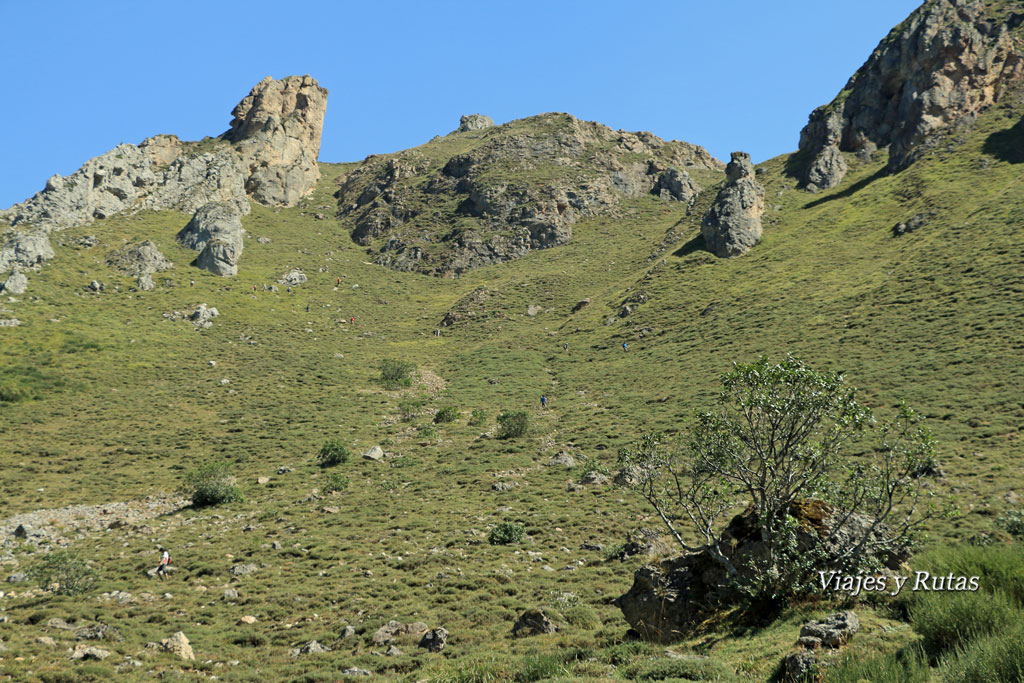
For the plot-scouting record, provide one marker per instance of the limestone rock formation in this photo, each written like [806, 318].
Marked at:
[139, 259]
[474, 122]
[216, 232]
[950, 60]
[16, 283]
[669, 598]
[503, 211]
[178, 644]
[25, 249]
[733, 224]
[276, 130]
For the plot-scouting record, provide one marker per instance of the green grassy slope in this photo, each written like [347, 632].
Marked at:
[126, 401]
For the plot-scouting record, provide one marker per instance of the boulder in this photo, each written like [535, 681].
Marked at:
[376, 454]
[244, 569]
[355, 671]
[669, 598]
[563, 459]
[145, 282]
[674, 184]
[216, 232]
[474, 122]
[203, 316]
[733, 223]
[84, 652]
[139, 259]
[593, 478]
[833, 631]
[293, 277]
[434, 640]
[178, 645]
[801, 665]
[248, 620]
[580, 305]
[311, 648]
[16, 283]
[276, 131]
[393, 629]
[533, 622]
[98, 631]
[25, 249]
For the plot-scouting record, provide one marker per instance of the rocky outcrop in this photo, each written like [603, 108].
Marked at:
[25, 249]
[216, 232]
[276, 130]
[16, 283]
[521, 188]
[474, 122]
[950, 60]
[733, 224]
[669, 598]
[533, 622]
[139, 259]
[803, 663]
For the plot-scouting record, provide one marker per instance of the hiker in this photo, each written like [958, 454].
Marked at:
[289, 290]
[264, 286]
[565, 346]
[254, 288]
[625, 346]
[543, 401]
[352, 320]
[165, 559]
[307, 308]
[191, 283]
[339, 281]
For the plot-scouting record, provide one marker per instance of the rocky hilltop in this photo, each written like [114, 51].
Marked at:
[950, 60]
[268, 154]
[487, 194]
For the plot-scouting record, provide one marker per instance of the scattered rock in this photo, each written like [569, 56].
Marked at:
[834, 631]
[733, 224]
[593, 478]
[96, 286]
[502, 486]
[139, 259]
[434, 640]
[17, 577]
[391, 630]
[244, 569]
[262, 481]
[203, 316]
[474, 122]
[563, 459]
[248, 619]
[918, 221]
[83, 651]
[145, 282]
[311, 648]
[801, 665]
[533, 622]
[230, 594]
[178, 645]
[532, 310]
[355, 671]
[98, 631]
[393, 651]
[47, 641]
[580, 305]
[263, 240]
[626, 477]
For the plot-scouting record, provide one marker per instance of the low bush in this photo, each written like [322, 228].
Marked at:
[409, 408]
[948, 620]
[477, 418]
[336, 482]
[513, 424]
[211, 484]
[446, 414]
[71, 573]
[332, 453]
[1012, 522]
[396, 374]
[506, 533]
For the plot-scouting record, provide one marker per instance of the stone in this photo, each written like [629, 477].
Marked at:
[276, 131]
[262, 481]
[834, 631]
[244, 569]
[16, 283]
[563, 459]
[178, 645]
[203, 316]
[216, 232]
[376, 454]
[98, 631]
[22, 531]
[47, 641]
[580, 305]
[311, 648]
[947, 62]
[593, 478]
[96, 286]
[532, 310]
[293, 277]
[17, 577]
[230, 594]
[674, 184]
[248, 619]
[626, 477]
[501, 486]
[393, 651]
[139, 259]
[355, 671]
[434, 640]
[145, 282]
[84, 652]
[263, 240]
[533, 622]
[732, 226]
[471, 122]
[801, 665]
[347, 632]
[917, 221]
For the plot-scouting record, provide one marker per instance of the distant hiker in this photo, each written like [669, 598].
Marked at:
[289, 290]
[254, 288]
[339, 280]
[543, 401]
[565, 346]
[352, 320]
[165, 559]
[264, 286]
[625, 346]
[191, 283]
[307, 308]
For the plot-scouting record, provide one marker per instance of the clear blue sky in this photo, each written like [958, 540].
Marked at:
[81, 77]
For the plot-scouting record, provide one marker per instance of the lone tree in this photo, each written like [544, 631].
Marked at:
[777, 449]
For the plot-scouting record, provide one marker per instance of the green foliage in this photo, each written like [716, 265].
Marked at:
[211, 484]
[427, 432]
[66, 568]
[908, 665]
[332, 453]
[410, 407]
[949, 620]
[773, 446]
[506, 533]
[26, 383]
[513, 424]
[336, 482]
[396, 374]
[477, 418]
[1012, 522]
[696, 669]
[446, 414]
[595, 467]
[996, 657]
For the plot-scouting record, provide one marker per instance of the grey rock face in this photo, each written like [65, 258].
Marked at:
[16, 283]
[139, 259]
[145, 282]
[276, 130]
[733, 224]
[474, 122]
[948, 61]
[434, 640]
[26, 249]
[834, 631]
[216, 231]
[676, 184]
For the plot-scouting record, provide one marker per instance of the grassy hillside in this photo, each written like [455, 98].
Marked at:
[119, 401]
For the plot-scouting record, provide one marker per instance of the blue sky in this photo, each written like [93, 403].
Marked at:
[81, 77]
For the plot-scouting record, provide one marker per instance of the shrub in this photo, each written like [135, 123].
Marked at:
[332, 453]
[447, 414]
[477, 418]
[949, 620]
[427, 432]
[1012, 522]
[73, 575]
[997, 657]
[411, 407]
[908, 665]
[336, 482]
[396, 374]
[506, 533]
[211, 484]
[513, 424]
